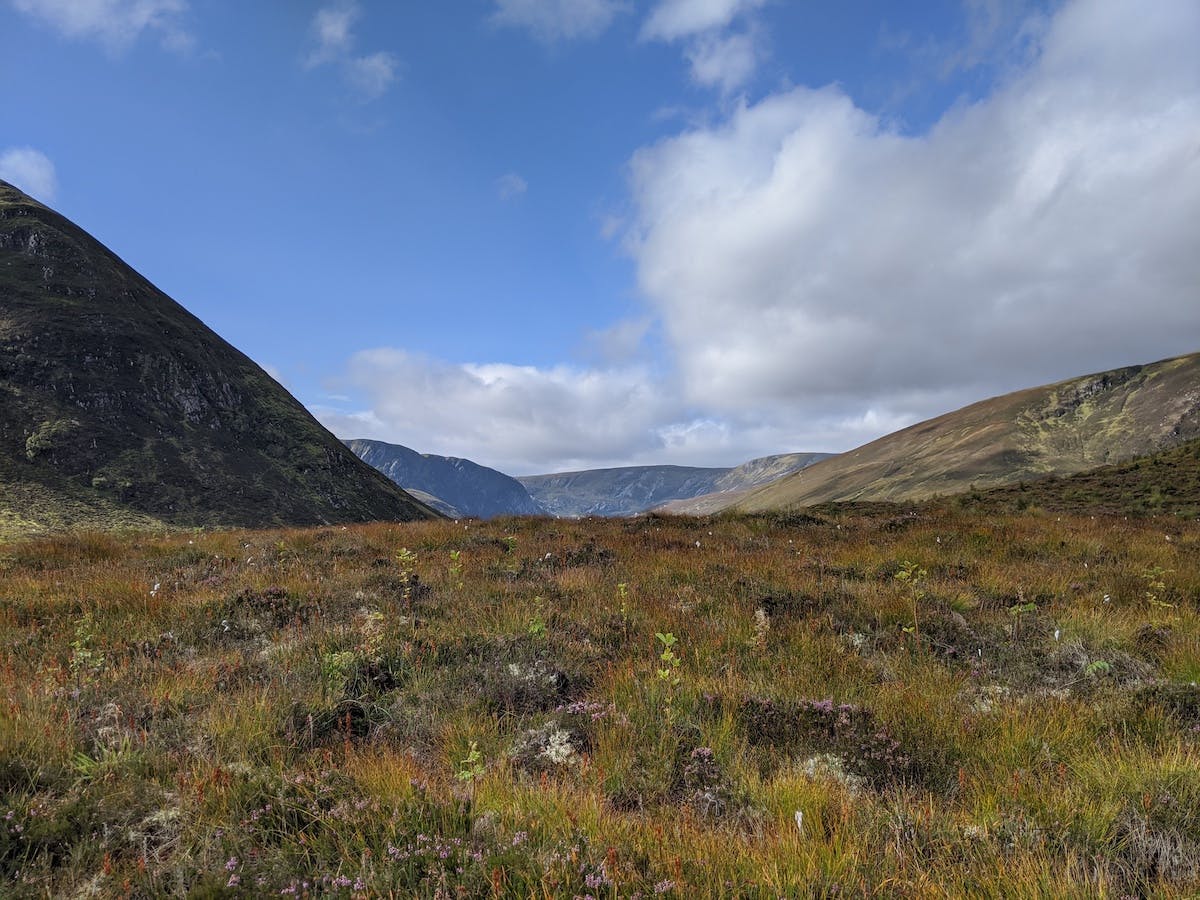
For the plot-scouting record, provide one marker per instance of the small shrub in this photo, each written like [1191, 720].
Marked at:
[819, 726]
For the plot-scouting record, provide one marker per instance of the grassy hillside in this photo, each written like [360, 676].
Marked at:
[1162, 483]
[917, 703]
[733, 487]
[117, 406]
[1059, 429]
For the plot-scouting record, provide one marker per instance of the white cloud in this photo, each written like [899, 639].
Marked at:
[819, 279]
[370, 75]
[520, 419]
[551, 21]
[31, 171]
[117, 24]
[995, 29]
[671, 20]
[726, 61]
[511, 185]
[331, 27]
[719, 57]
[527, 420]
[804, 258]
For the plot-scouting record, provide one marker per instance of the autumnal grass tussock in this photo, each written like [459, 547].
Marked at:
[859, 703]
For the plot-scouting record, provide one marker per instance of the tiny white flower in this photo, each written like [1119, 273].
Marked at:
[558, 749]
[1056, 634]
[800, 822]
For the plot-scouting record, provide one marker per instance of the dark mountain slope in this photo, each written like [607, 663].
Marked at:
[466, 487]
[117, 405]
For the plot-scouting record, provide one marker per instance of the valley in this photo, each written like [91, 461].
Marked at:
[246, 651]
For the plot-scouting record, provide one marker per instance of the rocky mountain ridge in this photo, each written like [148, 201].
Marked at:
[456, 487]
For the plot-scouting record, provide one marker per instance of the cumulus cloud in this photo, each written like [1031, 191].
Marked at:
[551, 21]
[518, 418]
[724, 61]
[31, 171]
[719, 56]
[370, 75]
[511, 185]
[803, 256]
[671, 20]
[527, 420]
[819, 278]
[117, 24]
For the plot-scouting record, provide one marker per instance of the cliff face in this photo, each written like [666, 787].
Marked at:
[466, 488]
[116, 403]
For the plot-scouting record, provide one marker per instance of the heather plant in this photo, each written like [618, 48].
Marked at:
[294, 713]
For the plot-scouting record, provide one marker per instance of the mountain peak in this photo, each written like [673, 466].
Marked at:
[114, 398]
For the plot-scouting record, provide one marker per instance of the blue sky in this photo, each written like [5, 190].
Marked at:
[548, 234]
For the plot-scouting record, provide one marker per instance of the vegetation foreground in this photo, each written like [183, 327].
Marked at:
[889, 702]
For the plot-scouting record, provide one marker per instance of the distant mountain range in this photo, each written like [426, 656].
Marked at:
[119, 407]
[633, 489]
[1060, 429]
[459, 487]
[455, 487]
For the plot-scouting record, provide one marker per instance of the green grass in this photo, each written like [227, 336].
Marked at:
[314, 710]
[1163, 483]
